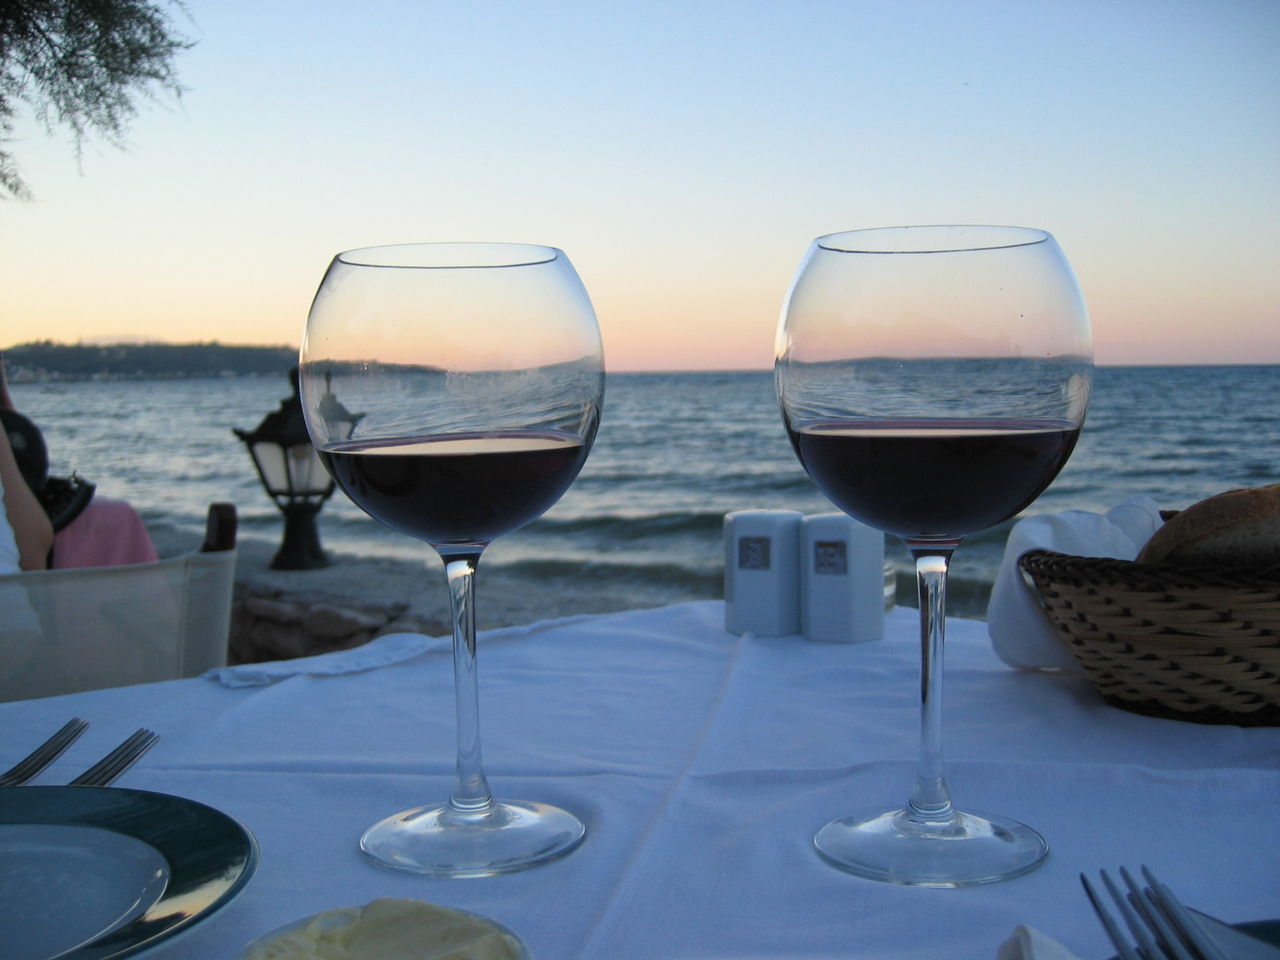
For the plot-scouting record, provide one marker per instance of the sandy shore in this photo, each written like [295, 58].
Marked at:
[502, 598]
[417, 592]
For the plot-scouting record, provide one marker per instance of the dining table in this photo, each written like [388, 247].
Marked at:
[701, 762]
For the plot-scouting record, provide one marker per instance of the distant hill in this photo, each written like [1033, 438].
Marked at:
[46, 360]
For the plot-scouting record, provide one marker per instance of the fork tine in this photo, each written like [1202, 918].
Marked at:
[1154, 918]
[128, 754]
[115, 763]
[1148, 944]
[1181, 918]
[119, 760]
[43, 755]
[1117, 939]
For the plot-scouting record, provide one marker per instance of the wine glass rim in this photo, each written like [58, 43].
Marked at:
[932, 238]
[462, 255]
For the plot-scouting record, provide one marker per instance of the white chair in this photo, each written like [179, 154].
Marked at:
[64, 631]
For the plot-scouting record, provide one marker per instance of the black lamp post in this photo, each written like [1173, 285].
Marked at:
[296, 480]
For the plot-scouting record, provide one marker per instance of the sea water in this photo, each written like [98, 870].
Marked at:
[674, 454]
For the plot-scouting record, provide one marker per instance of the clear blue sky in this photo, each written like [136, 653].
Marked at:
[682, 153]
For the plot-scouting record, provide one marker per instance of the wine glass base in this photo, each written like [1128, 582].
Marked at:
[966, 850]
[442, 841]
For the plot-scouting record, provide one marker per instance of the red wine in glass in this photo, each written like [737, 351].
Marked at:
[940, 478]
[457, 488]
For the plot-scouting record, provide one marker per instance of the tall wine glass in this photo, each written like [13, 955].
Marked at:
[933, 381]
[476, 374]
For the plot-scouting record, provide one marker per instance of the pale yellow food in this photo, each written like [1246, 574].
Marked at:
[1236, 528]
[391, 929]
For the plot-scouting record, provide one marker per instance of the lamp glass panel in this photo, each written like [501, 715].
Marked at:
[308, 472]
[270, 460]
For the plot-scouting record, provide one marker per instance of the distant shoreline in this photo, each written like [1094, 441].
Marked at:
[48, 362]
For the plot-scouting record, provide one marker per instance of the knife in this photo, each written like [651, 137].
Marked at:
[1236, 944]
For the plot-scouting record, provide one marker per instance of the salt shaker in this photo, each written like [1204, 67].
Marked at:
[842, 580]
[761, 572]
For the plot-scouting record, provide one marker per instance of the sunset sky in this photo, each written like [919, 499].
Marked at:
[682, 152]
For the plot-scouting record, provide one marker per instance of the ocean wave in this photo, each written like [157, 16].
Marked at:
[1161, 471]
[728, 483]
[708, 582]
[628, 528]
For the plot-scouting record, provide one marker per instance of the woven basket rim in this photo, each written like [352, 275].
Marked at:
[1052, 565]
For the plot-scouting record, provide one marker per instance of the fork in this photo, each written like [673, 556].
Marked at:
[1187, 925]
[1158, 921]
[119, 760]
[43, 755]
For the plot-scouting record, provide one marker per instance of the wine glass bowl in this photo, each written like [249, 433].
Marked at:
[477, 373]
[933, 381]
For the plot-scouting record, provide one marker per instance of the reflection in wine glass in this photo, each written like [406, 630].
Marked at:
[933, 381]
[479, 375]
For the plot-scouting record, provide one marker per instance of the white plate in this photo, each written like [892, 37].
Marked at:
[97, 873]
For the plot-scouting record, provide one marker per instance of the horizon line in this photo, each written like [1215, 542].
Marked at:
[145, 342]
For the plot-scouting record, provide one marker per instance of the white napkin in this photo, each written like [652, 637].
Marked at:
[1028, 943]
[379, 652]
[1021, 632]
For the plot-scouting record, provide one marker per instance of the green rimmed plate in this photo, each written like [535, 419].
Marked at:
[97, 873]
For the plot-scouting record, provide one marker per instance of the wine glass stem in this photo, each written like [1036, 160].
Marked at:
[930, 800]
[471, 794]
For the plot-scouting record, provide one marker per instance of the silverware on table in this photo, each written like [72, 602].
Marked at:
[43, 755]
[1162, 927]
[1162, 898]
[1238, 944]
[119, 760]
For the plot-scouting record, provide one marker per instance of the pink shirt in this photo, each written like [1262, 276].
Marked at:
[107, 533]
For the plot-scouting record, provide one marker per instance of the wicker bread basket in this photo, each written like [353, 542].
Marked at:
[1172, 640]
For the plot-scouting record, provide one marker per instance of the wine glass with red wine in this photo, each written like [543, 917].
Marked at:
[453, 390]
[933, 381]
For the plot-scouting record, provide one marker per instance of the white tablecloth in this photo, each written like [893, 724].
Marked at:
[701, 763]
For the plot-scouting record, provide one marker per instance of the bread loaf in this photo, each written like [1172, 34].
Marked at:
[1235, 528]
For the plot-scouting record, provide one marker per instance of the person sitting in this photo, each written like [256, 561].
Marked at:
[25, 537]
[26, 534]
[88, 530]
